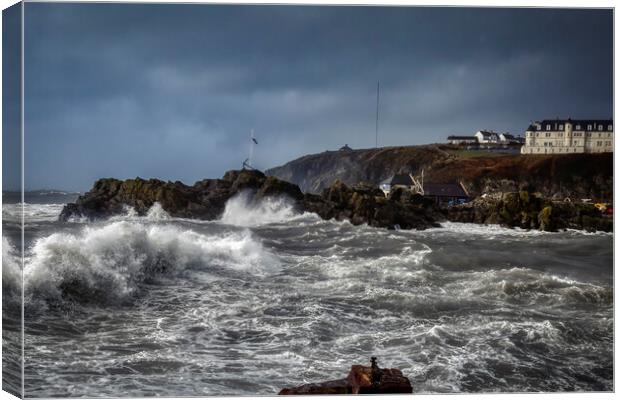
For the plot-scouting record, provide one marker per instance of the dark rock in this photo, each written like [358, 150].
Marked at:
[275, 187]
[531, 211]
[206, 199]
[361, 380]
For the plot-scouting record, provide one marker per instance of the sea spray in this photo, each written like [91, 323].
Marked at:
[241, 210]
[107, 263]
[458, 310]
[11, 269]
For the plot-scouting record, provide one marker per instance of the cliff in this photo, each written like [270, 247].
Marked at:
[575, 176]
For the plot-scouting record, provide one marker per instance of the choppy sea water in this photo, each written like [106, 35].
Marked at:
[266, 298]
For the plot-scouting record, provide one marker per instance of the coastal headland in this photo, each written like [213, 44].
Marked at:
[530, 192]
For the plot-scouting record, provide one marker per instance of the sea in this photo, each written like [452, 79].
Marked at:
[266, 298]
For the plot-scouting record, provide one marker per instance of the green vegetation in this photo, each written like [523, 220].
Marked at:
[474, 153]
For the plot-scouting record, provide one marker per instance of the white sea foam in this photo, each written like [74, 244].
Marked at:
[157, 213]
[242, 211]
[11, 269]
[110, 260]
[491, 231]
[33, 213]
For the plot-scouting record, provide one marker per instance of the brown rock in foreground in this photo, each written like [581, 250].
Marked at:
[361, 380]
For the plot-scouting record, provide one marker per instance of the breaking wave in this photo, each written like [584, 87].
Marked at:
[11, 269]
[33, 213]
[108, 263]
[242, 211]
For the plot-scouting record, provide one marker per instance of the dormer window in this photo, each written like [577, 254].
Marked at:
[589, 127]
[561, 127]
[537, 127]
[578, 127]
[548, 127]
[600, 127]
[610, 127]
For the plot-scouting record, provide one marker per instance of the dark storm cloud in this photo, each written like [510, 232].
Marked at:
[171, 91]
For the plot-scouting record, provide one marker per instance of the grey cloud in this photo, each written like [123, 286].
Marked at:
[171, 91]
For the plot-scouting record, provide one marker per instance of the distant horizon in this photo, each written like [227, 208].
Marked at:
[173, 90]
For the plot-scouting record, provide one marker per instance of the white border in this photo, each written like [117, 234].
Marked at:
[479, 3]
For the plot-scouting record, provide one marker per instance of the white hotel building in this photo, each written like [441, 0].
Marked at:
[569, 136]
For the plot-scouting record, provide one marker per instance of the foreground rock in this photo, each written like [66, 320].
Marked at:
[361, 380]
[530, 211]
[207, 199]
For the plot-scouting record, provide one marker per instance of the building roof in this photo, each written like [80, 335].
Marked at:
[461, 138]
[345, 148]
[487, 134]
[444, 189]
[508, 136]
[555, 123]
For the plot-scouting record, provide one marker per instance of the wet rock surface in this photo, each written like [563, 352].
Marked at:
[360, 380]
[531, 211]
[206, 200]
[359, 204]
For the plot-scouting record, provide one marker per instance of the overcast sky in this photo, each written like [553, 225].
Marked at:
[172, 91]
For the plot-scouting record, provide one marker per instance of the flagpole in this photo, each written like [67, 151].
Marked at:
[377, 119]
[251, 147]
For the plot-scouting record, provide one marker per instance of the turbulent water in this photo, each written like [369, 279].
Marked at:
[266, 298]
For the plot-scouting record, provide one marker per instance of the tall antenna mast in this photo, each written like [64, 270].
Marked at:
[377, 119]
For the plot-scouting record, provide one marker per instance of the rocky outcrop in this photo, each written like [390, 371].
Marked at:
[207, 199]
[361, 380]
[530, 211]
[364, 204]
[556, 176]
[359, 204]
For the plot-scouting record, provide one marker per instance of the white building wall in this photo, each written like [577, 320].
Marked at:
[570, 140]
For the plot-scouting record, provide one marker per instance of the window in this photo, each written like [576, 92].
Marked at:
[588, 134]
[578, 127]
[548, 127]
[548, 134]
[600, 127]
[610, 127]
[560, 134]
[536, 134]
[589, 127]
[561, 127]
[599, 143]
[537, 127]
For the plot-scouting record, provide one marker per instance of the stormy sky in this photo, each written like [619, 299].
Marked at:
[172, 91]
